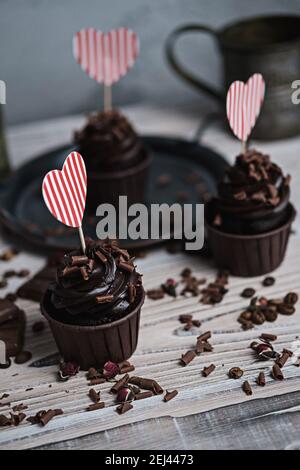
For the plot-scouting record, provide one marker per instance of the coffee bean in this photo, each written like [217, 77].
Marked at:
[235, 373]
[3, 284]
[8, 274]
[23, 273]
[286, 309]
[258, 318]
[248, 292]
[268, 281]
[291, 298]
[11, 297]
[270, 314]
[246, 315]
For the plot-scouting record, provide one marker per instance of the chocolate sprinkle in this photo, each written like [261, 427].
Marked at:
[247, 388]
[187, 357]
[277, 373]
[170, 395]
[206, 371]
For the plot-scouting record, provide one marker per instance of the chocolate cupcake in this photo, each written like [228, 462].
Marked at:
[249, 221]
[116, 159]
[94, 306]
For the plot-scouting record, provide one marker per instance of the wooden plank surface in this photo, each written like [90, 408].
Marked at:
[157, 356]
[207, 413]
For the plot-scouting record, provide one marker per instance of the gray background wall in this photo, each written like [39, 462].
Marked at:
[44, 81]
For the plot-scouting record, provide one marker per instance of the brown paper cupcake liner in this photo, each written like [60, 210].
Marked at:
[250, 255]
[92, 346]
[108, 186]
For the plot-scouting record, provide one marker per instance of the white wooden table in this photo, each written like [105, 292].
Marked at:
[208, 413]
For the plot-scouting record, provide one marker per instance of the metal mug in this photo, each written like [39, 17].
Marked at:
[269, 45]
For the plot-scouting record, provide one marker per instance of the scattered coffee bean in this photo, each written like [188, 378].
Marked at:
[235, 373]
[248, 292]
[186, 272]
[23, 273]
[169, 287]
[268, 281]
[291, 298]
[3, 283]
[286, 309]
[9, 273]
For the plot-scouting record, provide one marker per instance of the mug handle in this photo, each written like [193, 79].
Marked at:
[175, 65]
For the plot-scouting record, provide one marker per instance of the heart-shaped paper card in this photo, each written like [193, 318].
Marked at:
[243, 105]
[105, 57]
[64, 191]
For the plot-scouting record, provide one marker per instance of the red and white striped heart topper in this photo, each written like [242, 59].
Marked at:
[243, 104]
[64, 192]
[105, 57]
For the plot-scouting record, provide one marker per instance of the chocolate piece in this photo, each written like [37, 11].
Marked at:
[169, 395]
[84, 273]
[155, 294]
[126, 369]
[261, 380]
[92, 374]
[235, 373]
[206, 371]
[248, 292]
[196, 323]
[120, 384]
[97, 381]
[4, 421]
[48, 415]
[19, 407]
[187, 357]
[35, 288]
[268, 337]
[96, 406]
[146, 384]
[79, 260]
[17, 419]
[94, 396]
[247, 388]
[22, 357]
[101, 256]
[9, 254]
[123, 408]
[277, 372]
[186, 272]
[185, 318]
[204, 336]
[142, 395]
[69, 270]
[104, 299]
[282, 359]
[268, 281]
[12, 327]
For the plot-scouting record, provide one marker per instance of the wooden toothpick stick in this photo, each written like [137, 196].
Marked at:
[107, 98]
[82, 240]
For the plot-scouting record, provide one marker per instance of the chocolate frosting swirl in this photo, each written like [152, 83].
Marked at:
[108, 141]
[253, 189]
[101, 284]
